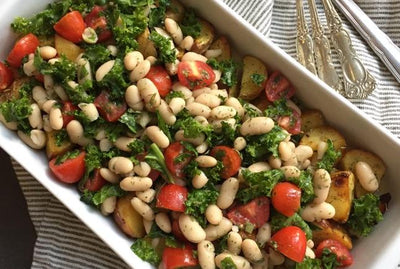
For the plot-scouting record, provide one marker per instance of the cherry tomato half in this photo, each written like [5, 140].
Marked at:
[343, 255]
[98, 23]
[173, 151]
[95, 182]
[23, 47]
[278, 86]
[286, 198]
[109, 110]
[177, 232]
[174, 258]
[71, 170]
[6, 76]
[67, 109]
[172, 197]
[292, 123]
[230, 159]
[256, 212]
[71, 26]
[159, 76]
[291, 241]
[195, 74]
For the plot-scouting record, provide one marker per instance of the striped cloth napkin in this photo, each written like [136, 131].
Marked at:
[64, 242]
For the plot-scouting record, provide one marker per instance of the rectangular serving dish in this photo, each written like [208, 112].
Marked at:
[379, 250]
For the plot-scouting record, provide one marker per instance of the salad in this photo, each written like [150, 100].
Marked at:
[206, 160]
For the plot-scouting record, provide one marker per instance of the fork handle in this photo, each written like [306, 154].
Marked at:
[381, 44]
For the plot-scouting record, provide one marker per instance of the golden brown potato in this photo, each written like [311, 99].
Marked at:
[146, 46]
[206, 37]
[222, 44]
[351, 157]
[261, 102]
[310, 119]
[248, 89]
[341, 194]
[175, 11]
[66, 47]
[52, 149]
[322, 134]
[331, 230]
[130, 221]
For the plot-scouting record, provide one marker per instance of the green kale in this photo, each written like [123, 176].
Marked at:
[17, 110]
[365, 214]
[97, 54]
[191, 127]
[190, 24]
[137, 146]
[173, 94]
[329, 259]
[330, 157]
[214, 173]
[96, 198]
[93, 160]
[226, 136]
[157, 15]
[221, 245]
[129, 119]
[279, 221]
[305, 183]
[144, 250]
[227, 263]
[155, 158]
[156, 232]
[192, 169]
[259, 184]
[197, 202]
[258, 79]
[229, 70]
[164, 126]
[115, 81]
[309, 263]
[66, 156]
[250, 110]
[277, 109]
[167, 53]
[61, 71]
[61, 136]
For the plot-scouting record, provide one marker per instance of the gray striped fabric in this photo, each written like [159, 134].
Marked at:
[64, 242]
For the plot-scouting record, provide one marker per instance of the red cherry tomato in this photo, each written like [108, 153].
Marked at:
[174, 258]
[109, 110]
[154, 174]
[98, 23]
[159, 76]
[25, 46]
[195, 74]
[172, 197]
[6, 76]
[176, 231]
[71, 170]
[286, 198]
[230, 159]
[278, 86]
[291, 241]
[256, 212]
[39, 77]
[95, 182]
[173, 151]
[71, 26]
[292, 123]
[343, 255]
[67, 108]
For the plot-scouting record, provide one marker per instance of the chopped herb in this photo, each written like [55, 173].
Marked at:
[96, 198]
[144, 250]
[157, 15]
[329, 259]
[115, 81]
[221, 245]
[129, 119]
[137, 146]
[227, 263]
[277, 109]
[163, 126]
[190, 24]
[214, 173]
[258, 78]
[66, 156]
[97, 54]
[60, 137]
[17, 110]
[305, 183]
[330, 157]
[173, 94]
[229, 70]
[167, 53]
[156, 160]
[250, 110]
[197, 202]
[279, 221]
[156, 232]
[309, 263]
[226, 136]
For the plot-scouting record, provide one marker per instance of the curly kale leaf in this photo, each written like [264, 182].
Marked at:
[330, 157]
[197, 202]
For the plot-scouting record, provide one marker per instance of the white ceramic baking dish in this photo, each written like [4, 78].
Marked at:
[380, 250]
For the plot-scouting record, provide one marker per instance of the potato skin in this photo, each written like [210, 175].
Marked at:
[206, 37]
[331, 230]
[322, 134]
[52, 149]
[126, 217]
[66, 47]
[251, 65]
[222, 43]
[175, 11]
[146, 46]
[340, 194]
[310, 119]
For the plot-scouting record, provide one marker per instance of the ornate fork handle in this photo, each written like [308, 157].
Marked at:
[358, 81]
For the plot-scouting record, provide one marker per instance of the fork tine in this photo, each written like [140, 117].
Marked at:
[304, 44]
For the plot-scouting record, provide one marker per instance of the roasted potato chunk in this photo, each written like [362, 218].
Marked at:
[53, 149]
[221, 43]
[66, 47]
[248, 89]
[351, 157]
[310, 119]
[340, 194]
[206, 37]
[146, 46]
[175, 11]
[331, 230]
[261, 102]
[130, 221]
[322, 134]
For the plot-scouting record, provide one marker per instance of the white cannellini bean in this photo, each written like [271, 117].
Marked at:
[199, 181]
[259, 167]
[105, 145]
[322, 147]
[214, 232]
[227, 192]
[239, 261]
[120, 165]
[133, 98]
[152, 59]
[84, 71]
[103, 70]
[274, 162]
[218, 75]
[132, 59]
[366, 176]
[140, 71]
[178, 87]
[59, 90]
[156, 135]
[198, 92]
[136, 183]
[256, 126]
[201, 120]
[113, 50]
[291, 171]
[239, 143]
[285, 151]
[197, 109]
[263, 234]
[206, 161]
[35, 118]
[173, 28]
[191, 229]
[321, 183]
[46, 124]
[109, 175]
[142, 208]
[123, 143]
[275, 257]
[193, 56]
[39, 95]
[143, 119]
[172, 68]
[108, 206]
[310, 253]
[179, 136]
[234, 243]
[222, 112]
[208, 99]
[318, 212]
[146, 196]
[53, 61]
[177, 104]
[149, 92]
[147, 225]
[76, 133]
[29, 68]
[163, 222]
[202, 148]
[48, 82]
[143, 169]
[166, 113]
[251, 251]
[89, 110]
[47, 52]
[48, 105]
[235, 103]
[303, 152]
[56, 118]
[187, 43]
[36, 140]
[12, 125]
[206, 254]
[213, 53]
[213, 214]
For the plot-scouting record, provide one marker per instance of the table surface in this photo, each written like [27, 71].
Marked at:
[17, 234]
